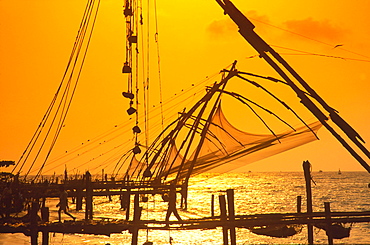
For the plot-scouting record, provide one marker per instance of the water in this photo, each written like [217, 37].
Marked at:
[254, 193]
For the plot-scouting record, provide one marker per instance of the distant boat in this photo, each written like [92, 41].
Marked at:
[320, 171]
[339, 172]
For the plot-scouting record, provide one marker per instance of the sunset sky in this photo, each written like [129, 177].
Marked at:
[326, 42]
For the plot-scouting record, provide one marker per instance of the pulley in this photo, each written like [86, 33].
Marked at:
[126, 68]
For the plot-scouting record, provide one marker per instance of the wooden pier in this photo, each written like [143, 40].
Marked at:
[272, 224]
[227, 223]
[227, 220]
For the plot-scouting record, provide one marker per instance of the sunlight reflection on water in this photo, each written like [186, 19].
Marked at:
[254, 193]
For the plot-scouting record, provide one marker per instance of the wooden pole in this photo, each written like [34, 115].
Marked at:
[231, 208]
[328, 223]
[213, 206]
[128, 203]
[307, 176]
[89, 197]
[78, 198]
[45, 236]
[136, 219]
[45, 218]
[33, 222]
[299, 204]
[223, 217]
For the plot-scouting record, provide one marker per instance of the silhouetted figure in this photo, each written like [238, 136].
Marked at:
[6, 200]
[172, 203]
[63, 204]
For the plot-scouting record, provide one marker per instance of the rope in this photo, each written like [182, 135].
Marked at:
[67, 105]
[64, 103]
[312, 39]
[158, 61]
[315, 54]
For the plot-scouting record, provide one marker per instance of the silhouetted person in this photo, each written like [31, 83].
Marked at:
[63, 204]
[172, 203]
[6, 199]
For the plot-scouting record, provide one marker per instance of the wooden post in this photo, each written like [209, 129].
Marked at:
[213, 206]
[45, 218]
[328, 223]
[231, 208]
[299, 204]
[89, 197]
[307, 176]
[45, 236]
[223, 217]
[136, 219]
[33, 222]
[79, 193]
[128, 203]
[45, 214]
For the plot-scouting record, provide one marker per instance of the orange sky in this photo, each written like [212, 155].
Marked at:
[196, 41]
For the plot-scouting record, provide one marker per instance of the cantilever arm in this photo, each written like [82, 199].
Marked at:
[246, 29]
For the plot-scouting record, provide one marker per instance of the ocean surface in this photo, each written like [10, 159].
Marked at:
[255, 193]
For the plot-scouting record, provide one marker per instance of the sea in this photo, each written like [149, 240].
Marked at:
[255, 193]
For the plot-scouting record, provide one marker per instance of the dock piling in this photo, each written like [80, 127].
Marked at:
[307, 176]
[223, 218]
[213, 206]
[231, 208]
[89, 197]
[136, 219]
[33, 222]
[328, 222]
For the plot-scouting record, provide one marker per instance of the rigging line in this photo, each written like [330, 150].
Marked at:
[65, 95]
[158, 60]
[83, 153]
[110, 132]
[220, 127]
[112, 149]
[174, 132]
[323, 55]
[52, 103]
[84, 145]
[107, 162]
[52, 121]
[271, 79]
[216, 104]
[145, 76]
[115, 166]
[210, 135]
[301, 35]
[282, 102]
[34, 138]
[263, 121]
[120, 159]
[240, 97]
[63, 117]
